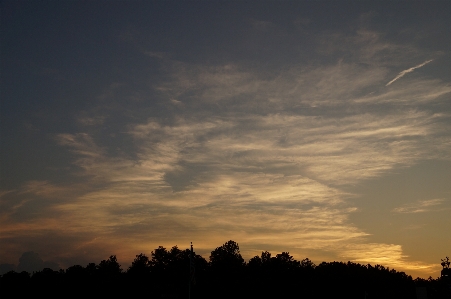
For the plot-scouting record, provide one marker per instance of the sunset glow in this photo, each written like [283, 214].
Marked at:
[318, 128]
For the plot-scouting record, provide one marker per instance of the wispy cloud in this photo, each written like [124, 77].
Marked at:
[401, 74]
[259, 157]
[419, 206]
[383, 254]
[261, 177]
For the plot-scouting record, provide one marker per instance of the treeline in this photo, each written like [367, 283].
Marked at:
[176, 273]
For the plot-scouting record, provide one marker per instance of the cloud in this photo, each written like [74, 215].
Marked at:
[259, 156]
[419, 206]
[159, 55]
[401, 74]
[91, 121]
[256, 159]
[5, 268]
[383, 254]
[31, 262]
[239, 168]
[269, 175]
[278, 111]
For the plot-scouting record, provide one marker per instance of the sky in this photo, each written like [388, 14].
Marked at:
[321, 128]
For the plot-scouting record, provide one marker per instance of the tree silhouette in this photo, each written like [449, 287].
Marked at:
[166, 275]
[140, 267]
[108, 276]
[17, 283]
[227, 256]
[255, 263]
[170, 270]
[110, 267]
[226, 270]
[306, 263]
[445, 263]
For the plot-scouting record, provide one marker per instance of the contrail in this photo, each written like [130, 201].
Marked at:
[401, 74]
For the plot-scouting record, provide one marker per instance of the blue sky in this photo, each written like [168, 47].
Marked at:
[318, 128]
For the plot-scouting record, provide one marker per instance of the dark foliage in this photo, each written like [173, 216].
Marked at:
[166, 274]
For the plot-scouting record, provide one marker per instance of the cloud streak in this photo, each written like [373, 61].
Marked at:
[419, 207]
[401, 74]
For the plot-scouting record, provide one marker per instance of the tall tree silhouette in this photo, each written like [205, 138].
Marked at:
[140, 266]
[110, 267]
[226, 269]
[227, 257]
